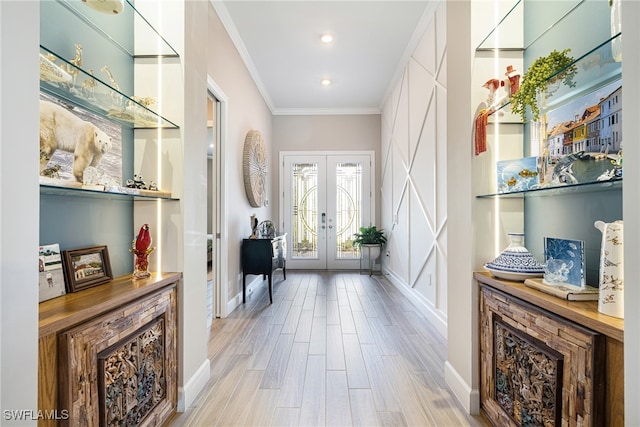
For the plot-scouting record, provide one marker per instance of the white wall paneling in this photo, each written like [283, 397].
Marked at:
[414, 174]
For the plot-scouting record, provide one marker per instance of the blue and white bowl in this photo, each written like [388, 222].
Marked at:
[515, 263]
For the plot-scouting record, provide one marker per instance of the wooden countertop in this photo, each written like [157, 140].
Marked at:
[65, 311]
[584, 313]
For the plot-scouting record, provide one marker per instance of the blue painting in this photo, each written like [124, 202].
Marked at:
[517, 174]
[564, 262]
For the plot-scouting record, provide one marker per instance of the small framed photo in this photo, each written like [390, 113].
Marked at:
[51, 273]
[564, 262]
[87, 267]
[517, 174]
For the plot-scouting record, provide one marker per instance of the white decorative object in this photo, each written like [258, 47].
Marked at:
[110, 7]
[50, 72]
[611, 283]
[254, 167]
[515, 262]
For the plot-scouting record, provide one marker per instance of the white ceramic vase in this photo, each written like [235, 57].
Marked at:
[611, 281]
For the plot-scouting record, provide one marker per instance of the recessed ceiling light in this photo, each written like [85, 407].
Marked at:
[325, 82]
[326, 38]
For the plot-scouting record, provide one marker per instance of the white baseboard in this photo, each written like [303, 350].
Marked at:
[468, 397]
[188, 393]
[436, 318]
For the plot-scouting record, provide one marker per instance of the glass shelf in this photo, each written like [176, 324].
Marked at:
[147, 41]
[595, 69]
[614, 184]
[83, 192]
[87, 91]
[500, 37]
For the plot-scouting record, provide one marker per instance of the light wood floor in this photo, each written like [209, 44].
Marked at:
[334, 349]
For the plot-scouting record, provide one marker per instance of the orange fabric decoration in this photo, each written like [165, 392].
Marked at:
[480, 136]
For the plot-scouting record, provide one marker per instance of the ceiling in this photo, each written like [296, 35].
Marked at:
[279, 42]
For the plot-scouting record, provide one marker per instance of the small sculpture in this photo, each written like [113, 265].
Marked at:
[493, 85]
[138, 182]
[115, 95]
[514, 80]
[88, 86]
[141, 248]
[52, 172]
[254, 227]
[73, 71]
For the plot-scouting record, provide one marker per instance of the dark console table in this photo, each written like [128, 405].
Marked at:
[263, 256]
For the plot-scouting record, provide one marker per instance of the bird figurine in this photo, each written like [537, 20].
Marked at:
[141, 249]
[143, 241]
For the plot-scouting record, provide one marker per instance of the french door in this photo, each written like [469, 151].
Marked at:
[326, 199]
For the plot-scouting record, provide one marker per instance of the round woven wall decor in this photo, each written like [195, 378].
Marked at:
[254, 167]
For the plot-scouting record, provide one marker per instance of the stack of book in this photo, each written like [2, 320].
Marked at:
[569, 293]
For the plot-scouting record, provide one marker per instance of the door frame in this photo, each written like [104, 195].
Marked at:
[220, 302]
[282, 180]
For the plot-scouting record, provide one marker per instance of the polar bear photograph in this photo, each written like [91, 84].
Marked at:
[72, 139]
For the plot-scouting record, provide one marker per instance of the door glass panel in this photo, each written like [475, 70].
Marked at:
[348, 208]
[304, 210]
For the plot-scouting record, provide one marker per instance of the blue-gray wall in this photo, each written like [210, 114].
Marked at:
[571, 215]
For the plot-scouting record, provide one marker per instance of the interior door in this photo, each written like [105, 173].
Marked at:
[326, 198]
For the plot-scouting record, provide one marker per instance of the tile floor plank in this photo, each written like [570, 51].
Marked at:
[334, 349]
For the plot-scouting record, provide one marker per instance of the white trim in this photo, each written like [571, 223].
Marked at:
[213, 87]
[193, 387]
[435, 317]
[468, 397]
[229, 25]
[325, 111]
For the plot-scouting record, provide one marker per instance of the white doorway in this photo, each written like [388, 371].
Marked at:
[217, 244]
[326, 198]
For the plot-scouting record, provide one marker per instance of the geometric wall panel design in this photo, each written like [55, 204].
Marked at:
[417, 159]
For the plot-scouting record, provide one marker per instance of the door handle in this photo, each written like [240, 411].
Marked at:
[324, 217]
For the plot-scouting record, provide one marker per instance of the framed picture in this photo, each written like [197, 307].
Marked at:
[564, 262]
[517, 174]
[74, 140]
[581, 142]
[51, 273]
[87, 267]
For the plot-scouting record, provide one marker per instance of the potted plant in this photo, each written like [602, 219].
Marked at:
[551, 69]
[370, 240]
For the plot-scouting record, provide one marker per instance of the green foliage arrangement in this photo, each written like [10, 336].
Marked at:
[552, 68]
[369, 236]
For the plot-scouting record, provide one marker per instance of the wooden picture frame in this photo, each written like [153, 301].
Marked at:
[87, 267]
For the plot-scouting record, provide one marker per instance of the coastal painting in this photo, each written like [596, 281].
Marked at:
[581, 142]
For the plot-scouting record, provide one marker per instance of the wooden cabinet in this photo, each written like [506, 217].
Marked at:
[107, 355]
[263, 256]
[546, 361]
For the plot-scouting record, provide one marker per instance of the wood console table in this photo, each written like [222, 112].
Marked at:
[541, 356]
[263, 256]
[107, 355]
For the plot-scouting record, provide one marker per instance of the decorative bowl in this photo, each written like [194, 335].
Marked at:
[507, 275]
[515, 262]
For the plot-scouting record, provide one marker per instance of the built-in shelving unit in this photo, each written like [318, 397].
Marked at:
[111, 70]
[592, 74]
[87, 83]
[87, 89]
[560, 210]
[90, 92]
